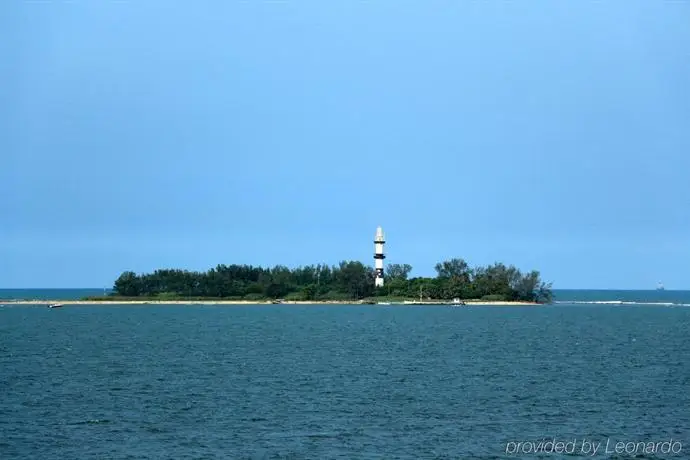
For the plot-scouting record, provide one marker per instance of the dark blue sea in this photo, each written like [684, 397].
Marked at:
[345, 382]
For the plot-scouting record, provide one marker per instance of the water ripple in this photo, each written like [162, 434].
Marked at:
[278, 382]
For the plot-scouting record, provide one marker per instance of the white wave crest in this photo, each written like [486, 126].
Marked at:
[620, 302]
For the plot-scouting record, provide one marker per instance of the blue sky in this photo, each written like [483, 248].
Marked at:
[142, 135]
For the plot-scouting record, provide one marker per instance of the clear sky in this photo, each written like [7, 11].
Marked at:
[143, 135]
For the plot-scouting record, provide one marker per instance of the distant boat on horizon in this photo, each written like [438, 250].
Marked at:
[660, 286]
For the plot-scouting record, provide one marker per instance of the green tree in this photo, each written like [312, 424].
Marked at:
[127, 284]
[398, 271]
[544, 294]
[356, 279]
[309, 292]
[453, 268]
[347, 280]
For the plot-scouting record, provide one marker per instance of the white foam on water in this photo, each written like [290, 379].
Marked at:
[620, 302]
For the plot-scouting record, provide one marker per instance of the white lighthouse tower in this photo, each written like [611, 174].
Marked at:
[379, 241]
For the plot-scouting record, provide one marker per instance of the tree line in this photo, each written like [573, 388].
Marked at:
[349, 280]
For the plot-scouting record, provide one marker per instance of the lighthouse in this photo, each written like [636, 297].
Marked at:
[379, 241]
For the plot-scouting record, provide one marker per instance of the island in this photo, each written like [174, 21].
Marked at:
[347, 282]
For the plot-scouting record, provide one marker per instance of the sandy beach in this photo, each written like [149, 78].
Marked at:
[248, 302]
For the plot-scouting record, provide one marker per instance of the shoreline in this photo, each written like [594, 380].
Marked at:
[467, 303]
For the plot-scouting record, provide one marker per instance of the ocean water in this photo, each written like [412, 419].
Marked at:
[341, 382]
[625, 297]
[51, 294]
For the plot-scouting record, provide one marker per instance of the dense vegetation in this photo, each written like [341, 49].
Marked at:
[350, 280]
